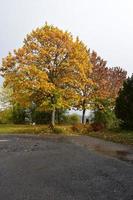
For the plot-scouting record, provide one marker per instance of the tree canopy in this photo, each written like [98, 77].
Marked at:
[42, 70]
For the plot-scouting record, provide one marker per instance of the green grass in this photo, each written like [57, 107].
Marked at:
[11, 128]
[37, 129]
[118, 136]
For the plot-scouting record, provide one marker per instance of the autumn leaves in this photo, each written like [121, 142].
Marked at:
[56, 71]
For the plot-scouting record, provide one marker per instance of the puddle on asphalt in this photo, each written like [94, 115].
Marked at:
[120, 154]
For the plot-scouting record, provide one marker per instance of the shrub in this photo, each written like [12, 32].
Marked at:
[79, 128]
[97, 126]
[71, 119]
[6, 116]
[59, 130]
[41, 117]
[105, 119]
[88, 128]
[74, 118]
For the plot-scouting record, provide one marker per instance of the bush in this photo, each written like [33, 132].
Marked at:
[6, 116]
[71, 119]
[59, 130]
[79, 128]
[105, 119]
[97, 127]
[74, 118]
[44, 117]
[41, 117]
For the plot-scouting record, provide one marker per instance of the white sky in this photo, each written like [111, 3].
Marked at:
[104, 25]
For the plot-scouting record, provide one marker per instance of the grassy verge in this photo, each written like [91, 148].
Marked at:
[37, 129]
[11, 128]
[123, 137]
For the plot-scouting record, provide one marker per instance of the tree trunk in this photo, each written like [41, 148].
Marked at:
[83, 116]
[53, 117]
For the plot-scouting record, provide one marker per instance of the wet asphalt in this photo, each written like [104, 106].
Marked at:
[56, 168]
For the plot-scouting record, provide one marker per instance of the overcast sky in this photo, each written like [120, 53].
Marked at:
[106, 26]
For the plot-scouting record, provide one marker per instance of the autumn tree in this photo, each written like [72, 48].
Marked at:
[99, 76]
[93, 86]
[83, 88]
[116, 77]
[41, 70]
[107, 81]
[101, 84]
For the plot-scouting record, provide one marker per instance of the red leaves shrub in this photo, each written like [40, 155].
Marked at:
[97, 126]
[81, 128]
[84, 129]
[78, 128]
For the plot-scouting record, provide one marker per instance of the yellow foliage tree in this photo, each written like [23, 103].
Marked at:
[43, 69]
[82, 87]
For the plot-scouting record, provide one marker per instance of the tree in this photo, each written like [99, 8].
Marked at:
[107, 81]
[124, 104]
[101, 83]
[81, 87]
[92, 88]
[41, 70]
[83, 91]
[99, 77]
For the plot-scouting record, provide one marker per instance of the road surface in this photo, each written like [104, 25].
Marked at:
[55, 168]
